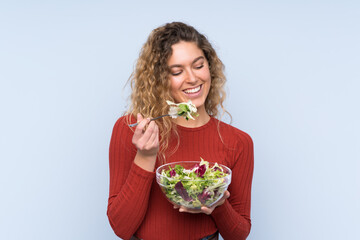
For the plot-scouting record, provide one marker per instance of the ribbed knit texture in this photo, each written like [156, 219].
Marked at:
[138, 207]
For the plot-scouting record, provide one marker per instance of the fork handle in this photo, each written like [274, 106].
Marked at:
[135, 124]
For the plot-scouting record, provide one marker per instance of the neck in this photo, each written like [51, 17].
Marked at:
[199, 121]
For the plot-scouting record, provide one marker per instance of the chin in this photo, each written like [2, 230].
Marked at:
[198, 103]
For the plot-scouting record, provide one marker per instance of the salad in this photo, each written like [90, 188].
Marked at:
[198, 186]
[185, 109]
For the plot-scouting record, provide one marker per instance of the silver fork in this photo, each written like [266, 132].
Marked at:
[135, 124]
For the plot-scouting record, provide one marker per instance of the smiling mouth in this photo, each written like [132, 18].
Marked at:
[192, 90]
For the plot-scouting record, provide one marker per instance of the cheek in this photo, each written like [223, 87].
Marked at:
[175, 84]
[206, 76]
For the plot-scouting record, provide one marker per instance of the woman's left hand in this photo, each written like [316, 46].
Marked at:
[203, 209]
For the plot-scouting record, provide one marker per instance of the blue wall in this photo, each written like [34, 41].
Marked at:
[293, 82]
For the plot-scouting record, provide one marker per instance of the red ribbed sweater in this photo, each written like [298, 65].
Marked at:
[137, 206]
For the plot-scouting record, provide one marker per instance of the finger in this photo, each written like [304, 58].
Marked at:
[206, 210]
[183, 209]
[141, 126]
[227, 194]
[139, 117]
[157, 140]
[222, 200]
[154, 138]
[150, 129]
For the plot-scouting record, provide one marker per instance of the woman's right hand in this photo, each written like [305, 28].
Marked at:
[146, 137]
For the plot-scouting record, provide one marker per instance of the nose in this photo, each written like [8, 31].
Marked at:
[191, 77]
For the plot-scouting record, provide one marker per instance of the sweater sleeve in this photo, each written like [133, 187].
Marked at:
[129, 184]
[233, 217]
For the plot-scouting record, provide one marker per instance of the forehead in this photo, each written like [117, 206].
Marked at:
[184, 52]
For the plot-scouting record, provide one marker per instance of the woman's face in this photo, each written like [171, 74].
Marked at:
[189, 73]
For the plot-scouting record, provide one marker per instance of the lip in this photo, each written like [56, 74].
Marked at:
[194, 95]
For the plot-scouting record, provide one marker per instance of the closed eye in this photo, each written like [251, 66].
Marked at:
[176, 73]
[199, 67]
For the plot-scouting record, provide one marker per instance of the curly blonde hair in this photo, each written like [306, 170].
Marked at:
[150, 80]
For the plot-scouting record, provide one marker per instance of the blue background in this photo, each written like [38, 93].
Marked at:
[293, 85]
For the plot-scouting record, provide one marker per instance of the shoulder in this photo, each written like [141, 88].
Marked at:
[122, 124]
[233, 134]
[125, 120]
[122, 134]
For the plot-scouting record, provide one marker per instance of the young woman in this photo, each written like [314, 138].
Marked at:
[177, 63]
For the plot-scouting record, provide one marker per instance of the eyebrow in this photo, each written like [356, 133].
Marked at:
[195, 60]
